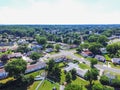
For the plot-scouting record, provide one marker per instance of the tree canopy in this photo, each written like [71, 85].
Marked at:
[16, 67]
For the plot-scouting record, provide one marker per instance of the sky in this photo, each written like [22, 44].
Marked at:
[59, 11]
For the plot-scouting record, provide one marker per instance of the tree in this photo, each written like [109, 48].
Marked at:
[93, 62]
[57, 47]
[41, 40]
[104, 80]
[16, 68]
[102, 40]
[115, 83]
[73, 74]
[79, 49]
[68, 78]
[54, 72]
[97, 87]
[93, 38]
[23, 48]
[84, 45]
[77, 42]
[50, 46]
[113, 49]
[35, 56]
[95, 48]
[91, 75]
[73, 87]
[4, 58]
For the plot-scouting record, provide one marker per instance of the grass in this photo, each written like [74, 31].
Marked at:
[6, 80]
[35, 73]
[34, 85]
[115, 66]
[78, 55]
[54, 52]
[107, 57]
[47, 85]
[61, 65]
[84, 66]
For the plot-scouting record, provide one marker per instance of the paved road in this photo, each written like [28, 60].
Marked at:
[70, 53]
[107, 68]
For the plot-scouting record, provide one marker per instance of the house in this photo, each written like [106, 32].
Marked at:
[103, 50]
[49, 50]
[37, 48]
[35, 67]
[60, 59]
[80, 72]
[100, 58]
[116, 60]
[3, 49]
[2, 44]
[87, 53]
[3, 74]
[15, 55]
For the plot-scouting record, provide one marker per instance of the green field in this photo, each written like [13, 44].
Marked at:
[47, 85]
[84, 66]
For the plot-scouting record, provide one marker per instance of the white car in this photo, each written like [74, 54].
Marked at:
[38, 78]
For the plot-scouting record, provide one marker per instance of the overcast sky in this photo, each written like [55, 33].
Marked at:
[59, 11]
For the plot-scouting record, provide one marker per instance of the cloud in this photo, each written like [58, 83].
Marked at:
[59, 12]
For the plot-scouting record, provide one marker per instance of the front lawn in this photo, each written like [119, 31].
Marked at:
[115, 66]
[47, 85]
[107, 57]
[35, 73]
[34, 85]
[84, 66]
[78, 55]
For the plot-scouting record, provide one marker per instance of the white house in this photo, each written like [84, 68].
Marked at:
[116, 60]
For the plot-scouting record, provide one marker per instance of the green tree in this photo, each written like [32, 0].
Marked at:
[91, 75]
[41, 40]
[93, 62]
[79, 49]
[102, 40]
[73, 87]
[104, 80]
[95, 48]
[97, 87]
[54, 72]
[57, 47]
[68, 78]
[113, 49]
[35, 56]
[73, 74]
[16, 68]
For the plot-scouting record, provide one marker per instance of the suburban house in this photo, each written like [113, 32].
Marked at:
[80, 72]
[37, 48]
[15, 55]
[116, 60]
[35, 67]
[100, 58]
[49, 50]
[87, 53]
[3, 49]
[60, 59]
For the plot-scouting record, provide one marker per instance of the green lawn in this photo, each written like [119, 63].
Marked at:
[84, 66]
[61, 64]
[107, 57]
[47, 85]
[35, 73]
[34, 85]
[54, 52]
[115, 66]
[78, 55]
